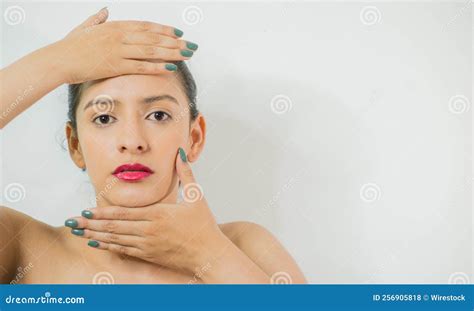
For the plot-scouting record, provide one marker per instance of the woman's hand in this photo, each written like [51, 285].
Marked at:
[94, 50]
[98, 49]
[179, 236]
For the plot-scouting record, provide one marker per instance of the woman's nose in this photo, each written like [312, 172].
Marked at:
[132, 140]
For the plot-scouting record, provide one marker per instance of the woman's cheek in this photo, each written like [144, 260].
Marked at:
[95, 155]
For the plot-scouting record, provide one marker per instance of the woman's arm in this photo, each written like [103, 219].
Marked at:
[27, 80]
[30, 78]
[94, 50]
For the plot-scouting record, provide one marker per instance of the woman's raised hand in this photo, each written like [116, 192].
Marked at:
[98, 49]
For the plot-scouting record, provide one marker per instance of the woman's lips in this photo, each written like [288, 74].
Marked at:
[132, 172]
[132, 175]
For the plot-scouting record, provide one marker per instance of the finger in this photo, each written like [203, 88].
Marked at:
[116, 248]
[183, 168]
[150, 38]
[132, 227]
[154, 52]
[131, 25]
[130, 66]
[117, 213]
[96, 19]
[121, 239]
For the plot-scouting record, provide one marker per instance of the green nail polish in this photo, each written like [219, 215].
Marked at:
[93, 243]
[182, 154]
[191, 45]
[186, 53]
[87, 214]
[72, 223]
[171, 67]
[77, 231]
[178, 32]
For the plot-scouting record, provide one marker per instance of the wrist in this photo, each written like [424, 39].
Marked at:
[230, 265]
[60, 64]
[211, 251]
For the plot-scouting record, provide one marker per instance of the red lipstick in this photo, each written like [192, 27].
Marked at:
[132, 172]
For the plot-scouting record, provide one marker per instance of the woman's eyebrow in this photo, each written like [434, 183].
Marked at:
[146, 100]
[151, 99]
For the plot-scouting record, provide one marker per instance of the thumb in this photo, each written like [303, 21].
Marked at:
[96, 19]
[183, 168]
[192, 191]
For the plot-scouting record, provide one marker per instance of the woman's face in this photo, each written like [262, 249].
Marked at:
[135, 119]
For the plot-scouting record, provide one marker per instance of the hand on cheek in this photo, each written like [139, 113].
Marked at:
[182, 235]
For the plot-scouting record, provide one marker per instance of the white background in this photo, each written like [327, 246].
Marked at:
[366, 176]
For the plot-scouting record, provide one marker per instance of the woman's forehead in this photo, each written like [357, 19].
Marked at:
[133, 88]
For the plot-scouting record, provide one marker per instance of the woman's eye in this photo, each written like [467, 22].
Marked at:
[102, 119]
[160, 116]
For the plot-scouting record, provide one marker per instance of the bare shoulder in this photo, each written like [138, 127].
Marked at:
[27, 231]
[248, 234]
[13, 221]
[260, 245]
[21, 222]
[13, 227]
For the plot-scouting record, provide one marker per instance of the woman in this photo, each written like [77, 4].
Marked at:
[135, 128]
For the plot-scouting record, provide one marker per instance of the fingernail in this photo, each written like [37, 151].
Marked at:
[182, 154]
[178, 32]
[186, 53]
[93, 243]
[72, 223]
[191, 45]
[87, 214]
[77, 231]
[171, 67]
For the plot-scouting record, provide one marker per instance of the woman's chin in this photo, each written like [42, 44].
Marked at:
[134, 201]
[133, 197]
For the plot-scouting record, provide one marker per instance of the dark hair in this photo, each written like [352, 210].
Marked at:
[184, 75]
